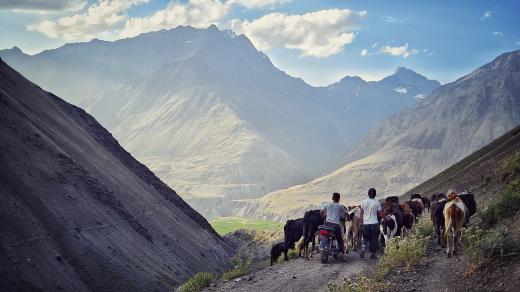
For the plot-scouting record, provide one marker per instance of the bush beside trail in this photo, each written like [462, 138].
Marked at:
[197, 282]
[240, 267]
[400, 251]
[491, 237]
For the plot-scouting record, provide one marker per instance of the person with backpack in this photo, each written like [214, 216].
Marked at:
[370, 214]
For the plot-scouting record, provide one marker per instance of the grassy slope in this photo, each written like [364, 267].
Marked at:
[226, 225]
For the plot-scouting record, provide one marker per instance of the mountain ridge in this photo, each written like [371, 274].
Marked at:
[413, 145]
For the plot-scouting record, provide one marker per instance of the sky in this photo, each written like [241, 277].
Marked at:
[318, 41]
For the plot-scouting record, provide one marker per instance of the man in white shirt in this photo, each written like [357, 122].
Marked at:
[334, 211]
[370, 209]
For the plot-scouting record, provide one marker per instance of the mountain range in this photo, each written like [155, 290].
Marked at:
[413, 145]
[211, 115]
[79, 213]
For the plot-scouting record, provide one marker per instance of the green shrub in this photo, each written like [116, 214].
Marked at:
[424, 227]
[360, 284]
[197, 282]
[240, 267]
[401, 251]
[482, 245]
[505, 206]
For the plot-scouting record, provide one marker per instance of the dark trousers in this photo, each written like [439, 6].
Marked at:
[371, 237]
[338, 233]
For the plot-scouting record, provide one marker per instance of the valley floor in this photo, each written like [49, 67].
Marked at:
[300, 275]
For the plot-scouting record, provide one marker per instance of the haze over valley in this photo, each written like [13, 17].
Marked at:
[211, 115]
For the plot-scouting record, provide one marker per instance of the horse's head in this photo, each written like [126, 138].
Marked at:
[389, 208]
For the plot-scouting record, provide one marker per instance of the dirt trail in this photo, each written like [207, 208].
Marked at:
[435, 272]
[300, 275]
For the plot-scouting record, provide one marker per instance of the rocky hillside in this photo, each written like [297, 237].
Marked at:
[485, 172]
[79, 213]
[211, 115]
[413, 145]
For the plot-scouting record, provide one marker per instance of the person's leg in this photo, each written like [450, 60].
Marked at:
[339, 238]
[365, 234]
[375, 237]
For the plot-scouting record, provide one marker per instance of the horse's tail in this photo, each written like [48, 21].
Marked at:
[450, 221]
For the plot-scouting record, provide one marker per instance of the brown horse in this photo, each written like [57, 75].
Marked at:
[392, 208]
[408, 218]
[352, 234]
[455, 213]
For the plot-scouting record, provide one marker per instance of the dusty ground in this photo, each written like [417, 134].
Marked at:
[300, 275]
[435, 272]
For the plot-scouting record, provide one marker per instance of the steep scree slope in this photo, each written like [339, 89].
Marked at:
[77, 212]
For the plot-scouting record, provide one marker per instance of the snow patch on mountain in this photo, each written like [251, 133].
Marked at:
[401, 90]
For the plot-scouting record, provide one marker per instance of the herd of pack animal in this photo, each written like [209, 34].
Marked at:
[449, 213]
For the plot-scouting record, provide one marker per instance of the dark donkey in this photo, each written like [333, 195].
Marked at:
[276, 251]
[437, 214]
[311, 220]
[293, 231]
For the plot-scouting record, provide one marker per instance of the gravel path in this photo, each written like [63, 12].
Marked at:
[435, 272]
[299, 275]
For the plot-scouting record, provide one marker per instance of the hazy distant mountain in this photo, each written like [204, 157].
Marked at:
[78, 213]
[413, 145]
[408, 83]
[363, 100]
[210, 114]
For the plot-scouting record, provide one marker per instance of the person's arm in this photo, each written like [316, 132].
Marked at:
[379, 211]
[323, 211]
[361, 215]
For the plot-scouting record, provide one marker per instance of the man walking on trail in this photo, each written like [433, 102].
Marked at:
[334, 211]
[370, 209]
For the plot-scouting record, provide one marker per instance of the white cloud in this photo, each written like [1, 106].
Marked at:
[99, 20]
[42, 5]
[251, 4]
[389, 19]
[197, 13]
[318, 34]
[374, 45]
[398, 51]
[108, 19]
[364, 53]
[486, 15]
[498, 33]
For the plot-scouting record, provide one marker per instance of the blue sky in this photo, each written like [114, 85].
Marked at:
[440, 39]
